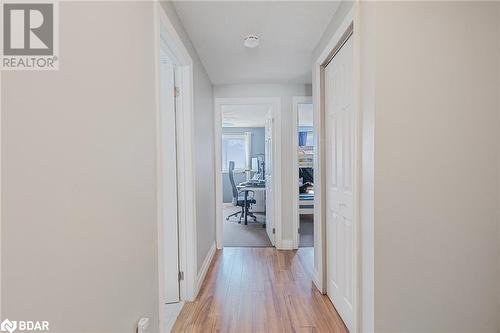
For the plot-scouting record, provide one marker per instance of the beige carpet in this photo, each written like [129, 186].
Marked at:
[250, 235]
[254, 235]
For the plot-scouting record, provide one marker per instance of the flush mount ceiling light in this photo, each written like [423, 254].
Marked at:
[251, 41]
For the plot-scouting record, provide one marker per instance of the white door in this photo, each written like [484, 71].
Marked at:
[169, 179]
[269, 176]
[339, 117]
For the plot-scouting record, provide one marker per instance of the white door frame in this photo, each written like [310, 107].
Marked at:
[295, 156]
[165, 34]
[275, 103]
[320, 248]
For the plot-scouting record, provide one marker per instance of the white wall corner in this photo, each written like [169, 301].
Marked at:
[204, 269]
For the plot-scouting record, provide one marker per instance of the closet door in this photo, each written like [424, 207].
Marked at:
[339, 117]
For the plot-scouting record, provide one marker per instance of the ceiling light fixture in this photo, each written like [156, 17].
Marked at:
[251, 41]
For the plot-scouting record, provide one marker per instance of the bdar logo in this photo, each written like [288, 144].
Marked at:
[8, 326]
[24, 325]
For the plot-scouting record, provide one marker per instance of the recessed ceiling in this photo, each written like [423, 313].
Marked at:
[244, 115]
[288, 32]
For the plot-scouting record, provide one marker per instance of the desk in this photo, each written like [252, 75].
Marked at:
[247, 188]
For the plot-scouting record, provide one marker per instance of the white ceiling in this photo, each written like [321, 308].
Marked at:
[255, 115]
[244, 115]
[288, 31]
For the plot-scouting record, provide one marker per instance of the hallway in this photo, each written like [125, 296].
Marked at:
[260, 290]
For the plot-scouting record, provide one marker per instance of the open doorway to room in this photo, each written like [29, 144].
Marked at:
[304, 171]
[175, 186]
[246, 214]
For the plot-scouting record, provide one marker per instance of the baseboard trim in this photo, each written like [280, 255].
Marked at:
[286, 244]
[171, 317]
[204, 268]
[317, 281]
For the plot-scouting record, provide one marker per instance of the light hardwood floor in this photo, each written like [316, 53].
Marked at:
[260, 290]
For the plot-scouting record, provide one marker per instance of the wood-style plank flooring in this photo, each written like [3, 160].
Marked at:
[260, 290]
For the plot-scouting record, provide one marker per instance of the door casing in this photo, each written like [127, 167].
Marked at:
[295, 156]
[275, 104]
[168, 176]
[350, 22]
[165, 33]
[269, 176]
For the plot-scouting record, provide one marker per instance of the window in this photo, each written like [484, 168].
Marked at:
[234, 148]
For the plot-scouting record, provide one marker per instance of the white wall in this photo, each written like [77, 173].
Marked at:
[367, 204]
[204, 142]
[436, 155]
[286, 92]
[79, 236]
[79, 182]
[430, 103]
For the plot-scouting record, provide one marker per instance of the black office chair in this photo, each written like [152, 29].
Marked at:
[239, 197]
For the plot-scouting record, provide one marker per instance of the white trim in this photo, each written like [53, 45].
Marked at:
[320, 278]
[287, 244]
[316, 278]
[204, 267]
[185, 159]
[275, 102]
[170, 321]
[1, 173]
[235, 171]
[305, 211]
[295, 156]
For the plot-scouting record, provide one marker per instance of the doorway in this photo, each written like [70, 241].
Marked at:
[176, 195]
[303, 157]
[168, 144]
[338, 160]
[247, 145]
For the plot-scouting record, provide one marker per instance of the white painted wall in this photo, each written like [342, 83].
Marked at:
[286, 92]
[367, 204]
[79, 182]
[204, 144]
[79, 238]
[430, 102]
[436, 109]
